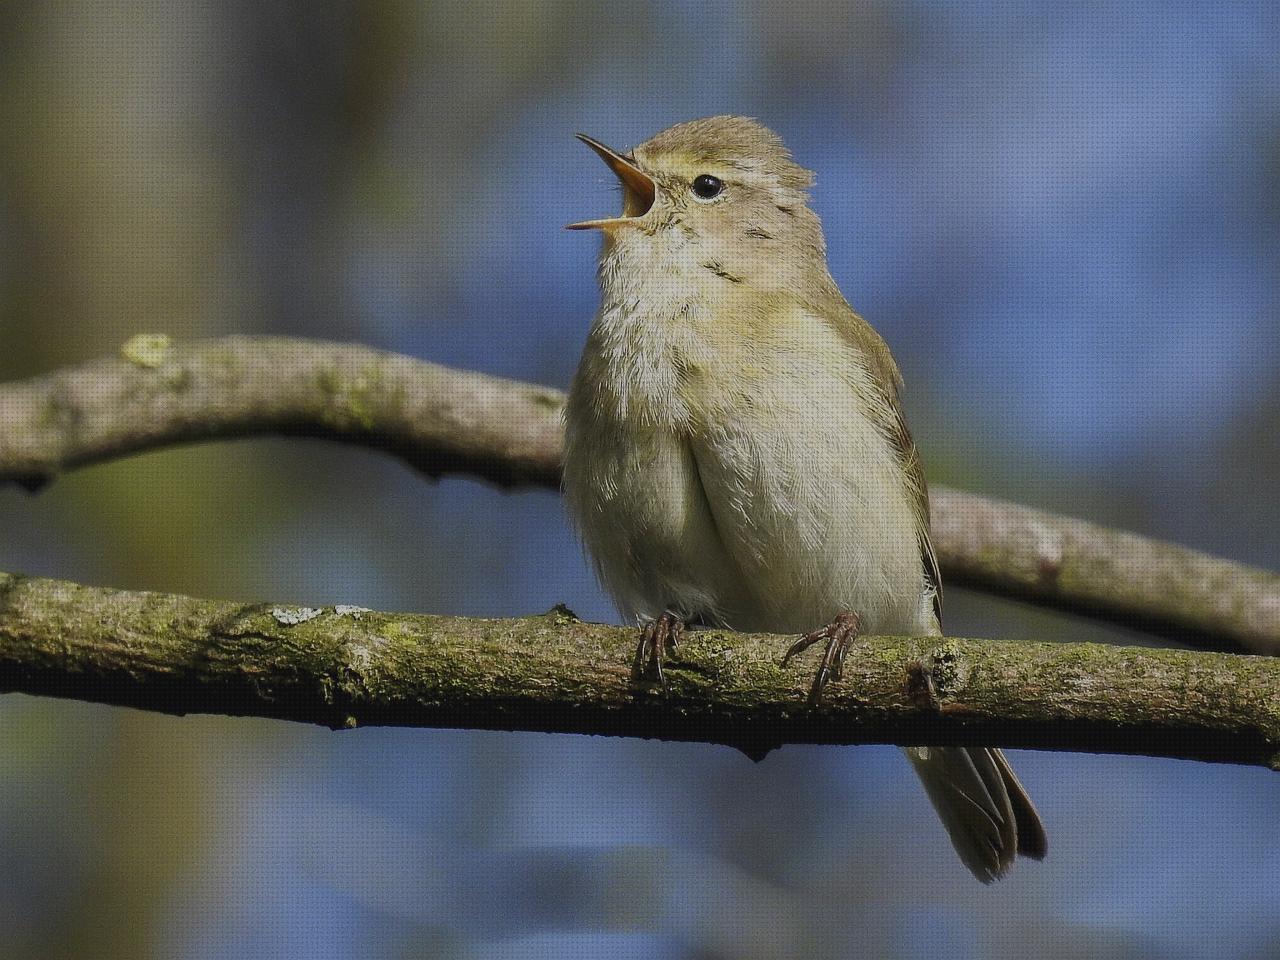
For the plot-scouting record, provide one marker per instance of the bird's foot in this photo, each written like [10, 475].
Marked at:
[657, 638]
[838, 634]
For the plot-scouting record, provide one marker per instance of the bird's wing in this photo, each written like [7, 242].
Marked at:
[884, 374]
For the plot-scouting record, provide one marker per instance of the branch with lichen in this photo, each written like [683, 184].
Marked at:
[441, 420]
[347, 666]
[157, 394]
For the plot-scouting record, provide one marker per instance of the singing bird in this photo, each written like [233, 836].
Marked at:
[736, 453]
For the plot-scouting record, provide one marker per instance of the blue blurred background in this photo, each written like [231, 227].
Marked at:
[1063, 218]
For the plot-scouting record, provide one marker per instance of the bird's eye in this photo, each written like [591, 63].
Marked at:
[707, 187]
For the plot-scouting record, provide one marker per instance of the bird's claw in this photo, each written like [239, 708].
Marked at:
[838, 635]
[657, 638]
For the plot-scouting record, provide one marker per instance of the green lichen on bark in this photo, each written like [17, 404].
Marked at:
[358, 398]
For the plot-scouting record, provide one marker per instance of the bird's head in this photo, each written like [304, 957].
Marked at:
[722, 191]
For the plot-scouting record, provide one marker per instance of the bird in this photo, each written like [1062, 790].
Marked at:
[736, 453]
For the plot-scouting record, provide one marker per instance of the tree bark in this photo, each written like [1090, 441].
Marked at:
[348, 667]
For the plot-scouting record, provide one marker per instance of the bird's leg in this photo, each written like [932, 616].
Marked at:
[657, 638]
[838, 634]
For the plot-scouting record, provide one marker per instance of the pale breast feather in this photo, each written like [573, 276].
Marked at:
[806, 488]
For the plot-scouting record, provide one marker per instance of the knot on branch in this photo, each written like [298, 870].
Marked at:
[936, 676]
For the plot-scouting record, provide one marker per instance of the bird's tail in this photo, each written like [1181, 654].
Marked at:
[985, 809]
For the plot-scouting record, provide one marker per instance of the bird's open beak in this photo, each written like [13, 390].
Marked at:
[637, 188]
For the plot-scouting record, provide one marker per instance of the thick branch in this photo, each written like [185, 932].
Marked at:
[345, 667]
[450, 421]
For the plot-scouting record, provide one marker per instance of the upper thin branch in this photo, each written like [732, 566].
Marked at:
[437, 419]
[451, 421]
[345, 667]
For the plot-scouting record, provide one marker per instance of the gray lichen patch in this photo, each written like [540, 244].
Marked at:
[292, 616]
[349, 610]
